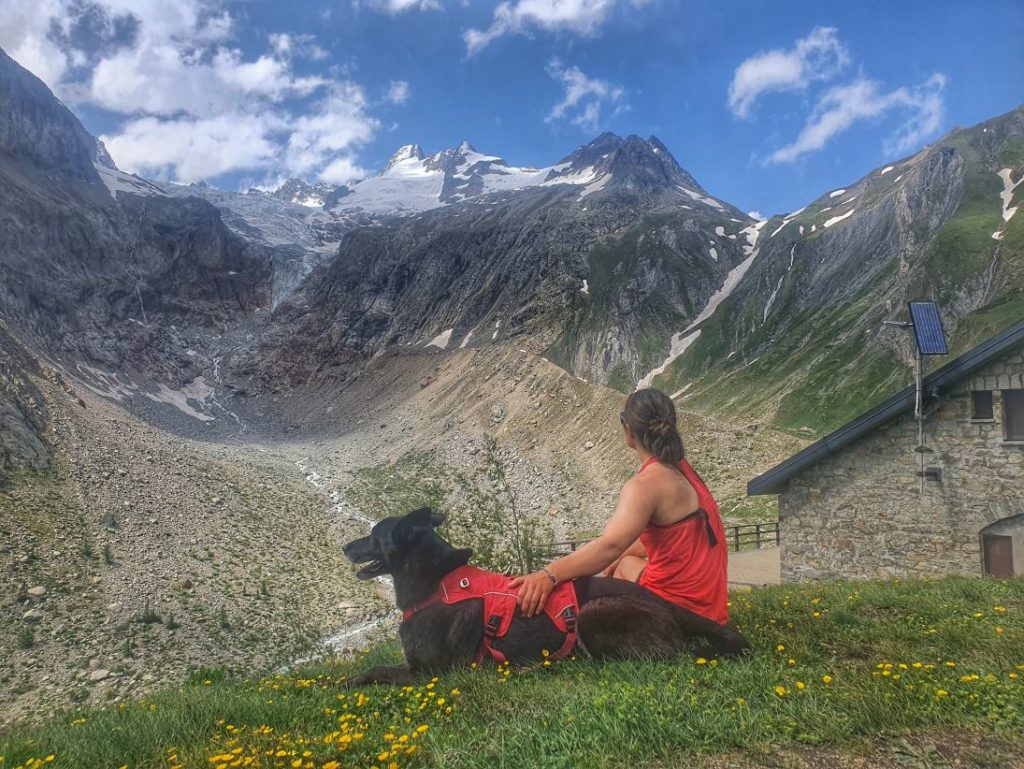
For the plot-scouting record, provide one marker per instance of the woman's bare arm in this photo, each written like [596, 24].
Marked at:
[636, 505]
[636, 549]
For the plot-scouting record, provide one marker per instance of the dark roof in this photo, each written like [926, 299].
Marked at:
[774, 481]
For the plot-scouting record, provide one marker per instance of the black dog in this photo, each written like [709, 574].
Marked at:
[617, 619]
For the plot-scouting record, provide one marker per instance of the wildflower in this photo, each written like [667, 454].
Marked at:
[826, 680]
[545, 653]
[791, 662]
[332, 765]
[999, 609]
[781, 691]
[800, 684]
[701, 661]
[780, 648]
[999, 630]
[941, 693]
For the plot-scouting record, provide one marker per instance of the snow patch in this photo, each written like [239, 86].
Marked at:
[1006, 196]
[441, 340]
[714, 253]
[197, 390]
[586, 288]
[593, 187]
[465, 340]
[702, 198]
[837, 219]
[682, 390]
[836, 193]
[720, 231]
[497, 325]
[886, 170]
[118, 181]
[680, 343]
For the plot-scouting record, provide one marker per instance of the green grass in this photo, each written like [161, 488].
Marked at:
[901, 657]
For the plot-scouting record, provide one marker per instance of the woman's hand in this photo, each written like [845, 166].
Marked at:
[534, 590]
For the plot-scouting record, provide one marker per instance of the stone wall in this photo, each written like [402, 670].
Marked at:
[860, 513]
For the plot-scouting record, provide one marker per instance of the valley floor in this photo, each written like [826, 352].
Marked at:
[158, 543]
[909, 674]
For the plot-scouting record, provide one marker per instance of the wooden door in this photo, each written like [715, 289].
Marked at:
[998, 555]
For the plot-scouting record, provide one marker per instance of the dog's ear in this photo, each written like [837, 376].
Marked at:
[413, 523]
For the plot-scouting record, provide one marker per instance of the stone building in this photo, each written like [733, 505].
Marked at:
[852, 504]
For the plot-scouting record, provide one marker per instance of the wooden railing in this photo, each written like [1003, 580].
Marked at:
[744, 536]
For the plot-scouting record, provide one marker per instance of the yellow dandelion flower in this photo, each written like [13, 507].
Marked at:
[780, 648]
[701, 661]
[826, 680]
[941, 693]
[800, 684]
[781, 691]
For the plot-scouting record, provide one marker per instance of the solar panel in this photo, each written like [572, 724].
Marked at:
[931, 339]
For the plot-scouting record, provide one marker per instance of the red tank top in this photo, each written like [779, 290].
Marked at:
[687, 560]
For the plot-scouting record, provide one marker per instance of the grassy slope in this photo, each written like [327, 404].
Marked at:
[834, 663]
[815, 376]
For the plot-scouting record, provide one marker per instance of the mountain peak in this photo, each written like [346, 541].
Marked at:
[35, 125]
[403, 153]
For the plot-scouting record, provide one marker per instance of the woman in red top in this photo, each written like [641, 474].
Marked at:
[666, 533]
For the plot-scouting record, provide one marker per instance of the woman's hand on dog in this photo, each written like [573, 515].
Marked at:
[534, 590]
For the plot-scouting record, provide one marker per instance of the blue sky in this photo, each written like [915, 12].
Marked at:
[767, 104]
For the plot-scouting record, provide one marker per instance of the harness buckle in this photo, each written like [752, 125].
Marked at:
[464, 583]
[492, 625]
[570, 618]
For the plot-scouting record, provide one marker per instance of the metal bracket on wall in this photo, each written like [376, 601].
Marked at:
[930, 474]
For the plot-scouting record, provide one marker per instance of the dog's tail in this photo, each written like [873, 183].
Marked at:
[729, 642]
[719, 640]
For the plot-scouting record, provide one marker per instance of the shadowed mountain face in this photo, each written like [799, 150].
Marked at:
[614, 262]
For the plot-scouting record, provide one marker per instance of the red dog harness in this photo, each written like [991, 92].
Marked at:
[468, 582]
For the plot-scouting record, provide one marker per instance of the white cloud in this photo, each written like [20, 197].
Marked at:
[26, 28]
[582, 17]
[398, 92]
[188, 149]
[192, 105]
[304, 46]
[395, 7]
[756, 215]
[819, 56]
[842, 106]
[583, 97]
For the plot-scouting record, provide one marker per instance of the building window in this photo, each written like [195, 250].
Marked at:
[981, 404]
[1013, 414]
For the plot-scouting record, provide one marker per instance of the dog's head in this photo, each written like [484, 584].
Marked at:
[393, 540]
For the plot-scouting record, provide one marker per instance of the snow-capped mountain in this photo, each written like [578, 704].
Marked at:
[614, 262]
[303, 193]
[413, 182]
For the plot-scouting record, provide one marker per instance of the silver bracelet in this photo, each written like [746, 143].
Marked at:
[552, 577]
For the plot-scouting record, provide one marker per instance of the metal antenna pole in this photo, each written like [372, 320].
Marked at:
[919, 415]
